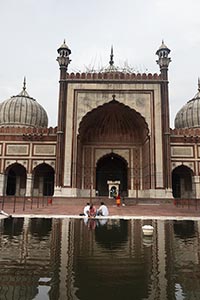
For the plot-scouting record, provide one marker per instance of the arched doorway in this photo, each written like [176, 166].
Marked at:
[43, 184]
[111, 167]
[112, 125]
[16, 180]
[182, 182]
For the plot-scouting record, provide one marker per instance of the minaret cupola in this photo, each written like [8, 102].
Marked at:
[63, 58]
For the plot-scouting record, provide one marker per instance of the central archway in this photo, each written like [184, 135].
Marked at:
[111, 167]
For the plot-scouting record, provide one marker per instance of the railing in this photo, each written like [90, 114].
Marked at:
[22, 204]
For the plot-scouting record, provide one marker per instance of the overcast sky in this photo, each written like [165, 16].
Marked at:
[31, 31]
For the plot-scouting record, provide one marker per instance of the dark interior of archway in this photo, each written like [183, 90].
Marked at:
[178, 174]
[11, 183]
[45, 172]
[113, 168]
[14, 172]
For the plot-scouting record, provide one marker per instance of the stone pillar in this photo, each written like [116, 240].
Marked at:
[2, 184]
[29, 185]
[196, 186]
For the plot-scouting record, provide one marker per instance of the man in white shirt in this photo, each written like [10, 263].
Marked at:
[86, 210]
[103, 210]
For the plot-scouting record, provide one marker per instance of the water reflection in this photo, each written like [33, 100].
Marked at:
[98, 259]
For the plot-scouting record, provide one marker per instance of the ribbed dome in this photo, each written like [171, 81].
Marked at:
[189, 115]
[22, 111]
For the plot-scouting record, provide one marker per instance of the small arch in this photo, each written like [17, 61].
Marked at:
[15, 180]
[43, 180]
[182, 182]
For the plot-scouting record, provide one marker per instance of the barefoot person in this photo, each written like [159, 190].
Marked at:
[103, 210]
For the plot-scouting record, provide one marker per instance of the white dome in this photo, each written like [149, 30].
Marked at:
[22, 111]
[189, 115]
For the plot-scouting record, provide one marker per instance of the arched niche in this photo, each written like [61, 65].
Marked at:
[182, 182]
[43, 180]
[111, 167]
[15, 180]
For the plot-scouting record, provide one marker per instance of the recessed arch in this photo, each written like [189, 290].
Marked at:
[15, 180]
[112, 126]
[111, 167]
[43, 180]
[182, 182]
[113, 121]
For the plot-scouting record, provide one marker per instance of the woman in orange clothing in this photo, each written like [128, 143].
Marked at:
[118, 201]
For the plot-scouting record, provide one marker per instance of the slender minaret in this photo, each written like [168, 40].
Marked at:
[163, 62]
[63, 60]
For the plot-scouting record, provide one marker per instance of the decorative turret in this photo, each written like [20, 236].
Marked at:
[63, 58]
[163, 59]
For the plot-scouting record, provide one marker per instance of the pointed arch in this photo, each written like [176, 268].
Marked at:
[113, 121]
[111, 167]
[182, 186]
[43, 180]
[15, 180]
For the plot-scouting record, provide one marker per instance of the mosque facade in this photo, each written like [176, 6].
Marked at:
[112, 137]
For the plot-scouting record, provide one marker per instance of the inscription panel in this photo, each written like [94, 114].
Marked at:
[47, 150]
[182, 152]
[16, 150]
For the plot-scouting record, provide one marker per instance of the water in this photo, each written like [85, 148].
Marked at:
[74, 259]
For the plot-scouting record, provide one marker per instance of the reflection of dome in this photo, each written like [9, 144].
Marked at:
[189, 115]
[22, 110]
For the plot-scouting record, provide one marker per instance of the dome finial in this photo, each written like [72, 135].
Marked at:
[199, 84]
[24, 84]
[111, 62]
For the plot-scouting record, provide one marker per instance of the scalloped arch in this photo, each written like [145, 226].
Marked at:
[113, 120]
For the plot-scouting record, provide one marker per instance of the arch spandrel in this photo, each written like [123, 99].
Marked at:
[103, 152]
[137, 101]
[114, 121]
[188, 165]
[12, 163]
[39, 163]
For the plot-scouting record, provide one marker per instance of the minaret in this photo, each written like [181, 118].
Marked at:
[63, 60]
[163, 62]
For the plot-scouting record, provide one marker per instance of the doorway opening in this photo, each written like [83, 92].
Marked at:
[111, 167]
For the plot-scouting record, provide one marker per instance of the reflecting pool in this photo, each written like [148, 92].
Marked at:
[99, 259]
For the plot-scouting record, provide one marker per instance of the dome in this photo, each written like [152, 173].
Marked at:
[22, 111]
[189, 115]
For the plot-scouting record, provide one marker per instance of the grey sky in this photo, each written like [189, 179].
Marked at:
[31, 31]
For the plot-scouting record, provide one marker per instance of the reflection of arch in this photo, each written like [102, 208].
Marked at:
[13, 226]
[40, 227]
[112, 237]
[184, 228]
[16, 180]
[43, 184]
[111, 167]
[182, 182]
